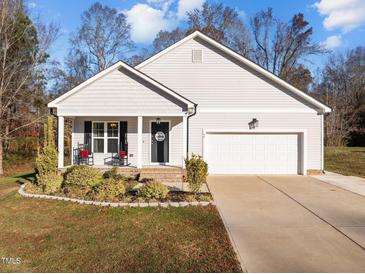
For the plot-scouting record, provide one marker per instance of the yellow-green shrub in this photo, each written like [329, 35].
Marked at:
[110, 190]
[46, 162]
[51, 182]
[153, 190]
[196, 172]
[83, 177]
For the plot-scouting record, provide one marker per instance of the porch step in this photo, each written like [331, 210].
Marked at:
[163, 175]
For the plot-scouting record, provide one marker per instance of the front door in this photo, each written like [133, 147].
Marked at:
[160, 142]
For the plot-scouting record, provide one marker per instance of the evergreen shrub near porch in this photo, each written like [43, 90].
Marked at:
[46, 163]
[196, 172]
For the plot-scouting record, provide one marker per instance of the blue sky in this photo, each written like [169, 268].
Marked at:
[338, 24]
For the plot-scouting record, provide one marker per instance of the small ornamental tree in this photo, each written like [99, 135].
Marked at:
[196, 172]
[46, 162]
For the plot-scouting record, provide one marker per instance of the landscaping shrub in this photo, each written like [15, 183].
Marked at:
[153, 190]
[112, 173]
[129, 182]
[196, 172]
[110, 190]
[83, 177]
[51, 182]
[33, 188]
[46, 162]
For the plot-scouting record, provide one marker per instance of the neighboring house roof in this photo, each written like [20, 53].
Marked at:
[134, 71]
[249, 63]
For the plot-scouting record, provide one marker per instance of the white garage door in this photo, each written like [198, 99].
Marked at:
[247, 153]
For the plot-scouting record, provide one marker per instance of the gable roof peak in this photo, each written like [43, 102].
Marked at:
[243, 60]
[117, 65]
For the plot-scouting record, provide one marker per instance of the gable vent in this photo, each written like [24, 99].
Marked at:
[197, 56]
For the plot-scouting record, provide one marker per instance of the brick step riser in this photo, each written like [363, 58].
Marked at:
[164, 179]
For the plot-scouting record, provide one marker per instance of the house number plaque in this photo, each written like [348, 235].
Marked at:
[160, 136]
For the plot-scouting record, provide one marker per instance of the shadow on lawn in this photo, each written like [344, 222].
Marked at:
[25, 177]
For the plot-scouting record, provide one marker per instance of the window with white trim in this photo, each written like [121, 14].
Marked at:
[112, 137]
[98, 137]
[105, 137]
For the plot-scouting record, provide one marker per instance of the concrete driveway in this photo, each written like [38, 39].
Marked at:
[292, 223]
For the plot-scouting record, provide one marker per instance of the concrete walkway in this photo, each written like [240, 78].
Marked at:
[350, 183]
[292, 223]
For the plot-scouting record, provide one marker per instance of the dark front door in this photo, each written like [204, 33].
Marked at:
[160, 142]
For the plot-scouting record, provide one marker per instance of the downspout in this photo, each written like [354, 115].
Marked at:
[187, 130]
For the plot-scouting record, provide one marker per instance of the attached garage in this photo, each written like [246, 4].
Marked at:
[255, 152]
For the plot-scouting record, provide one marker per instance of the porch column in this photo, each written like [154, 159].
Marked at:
[185, 144]
[61, 125]
[72, 140]
[139, 142]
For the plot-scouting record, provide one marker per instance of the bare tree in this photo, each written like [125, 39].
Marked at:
[139, 58]
[165, 39]
[342, 87]
[23, 51]
[223, 24]
[220, 22]
[279, 46]
[300, 77]
[102, 39]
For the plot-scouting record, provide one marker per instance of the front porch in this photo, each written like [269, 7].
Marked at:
[143, 141]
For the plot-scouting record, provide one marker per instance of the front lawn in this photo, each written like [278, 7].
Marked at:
[54, 236]
[345, 160]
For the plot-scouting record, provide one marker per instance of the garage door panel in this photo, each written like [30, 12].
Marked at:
[252, 153]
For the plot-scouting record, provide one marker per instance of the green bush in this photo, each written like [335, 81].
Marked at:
[111, 173]
[46, 161]
[82, 177]
[51, 182]
[128, 182]
[153, 190]
[110, 190]
[196, 172]
[33, 188]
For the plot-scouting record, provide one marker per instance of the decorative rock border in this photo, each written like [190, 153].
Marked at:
[22, 192]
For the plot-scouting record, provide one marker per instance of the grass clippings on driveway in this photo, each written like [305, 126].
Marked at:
[55, 236]
[345, 160]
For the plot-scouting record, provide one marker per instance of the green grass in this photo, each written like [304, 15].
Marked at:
[55, 236]
[345, 160]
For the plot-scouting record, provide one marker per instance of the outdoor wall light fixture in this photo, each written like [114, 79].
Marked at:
[158, 120]
[253, 124]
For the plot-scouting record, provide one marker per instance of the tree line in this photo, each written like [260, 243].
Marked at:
[30, 77]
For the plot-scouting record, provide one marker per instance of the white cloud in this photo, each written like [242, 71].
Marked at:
[32, 5]
[342, 14]
[147, 21]
[187, 5]
[332, 42]
[148, 18]
[241, 13]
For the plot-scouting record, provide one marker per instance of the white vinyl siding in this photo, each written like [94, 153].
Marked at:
[219, 81]
[116, 93]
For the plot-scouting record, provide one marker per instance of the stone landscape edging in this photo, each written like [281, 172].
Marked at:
[22, 192]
